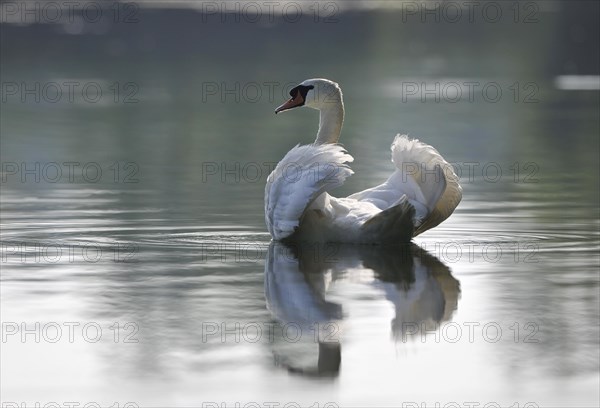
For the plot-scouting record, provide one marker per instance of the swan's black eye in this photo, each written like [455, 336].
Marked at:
[303, 89]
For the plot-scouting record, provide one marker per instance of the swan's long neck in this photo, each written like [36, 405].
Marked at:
[330, 122]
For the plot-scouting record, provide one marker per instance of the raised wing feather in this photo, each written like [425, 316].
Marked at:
[434, 176]
[445, 206]
[299, 178]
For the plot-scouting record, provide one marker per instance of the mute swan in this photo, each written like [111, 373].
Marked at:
[422, 191]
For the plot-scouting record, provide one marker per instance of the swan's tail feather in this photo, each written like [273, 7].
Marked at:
[298, 179]
[394, 225]
[438, 187]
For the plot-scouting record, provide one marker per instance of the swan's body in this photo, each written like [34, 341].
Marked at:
[421, 192]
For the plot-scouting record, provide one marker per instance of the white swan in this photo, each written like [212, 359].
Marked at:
[422, 191]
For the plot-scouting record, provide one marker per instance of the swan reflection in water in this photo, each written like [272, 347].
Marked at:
[310, 328]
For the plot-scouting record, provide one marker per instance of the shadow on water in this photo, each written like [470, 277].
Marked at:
[309, 332]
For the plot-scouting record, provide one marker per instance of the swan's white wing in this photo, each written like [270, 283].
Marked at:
[300, 177]
[445, 206]
[433, 174]
[423, 178]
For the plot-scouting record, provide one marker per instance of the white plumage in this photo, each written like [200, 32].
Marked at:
[421, 192]
[304, 174]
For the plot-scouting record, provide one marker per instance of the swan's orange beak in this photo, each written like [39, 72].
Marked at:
[297, 100]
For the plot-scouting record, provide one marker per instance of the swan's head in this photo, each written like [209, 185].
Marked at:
[315, 93]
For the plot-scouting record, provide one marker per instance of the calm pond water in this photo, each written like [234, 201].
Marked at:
[136, 266]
